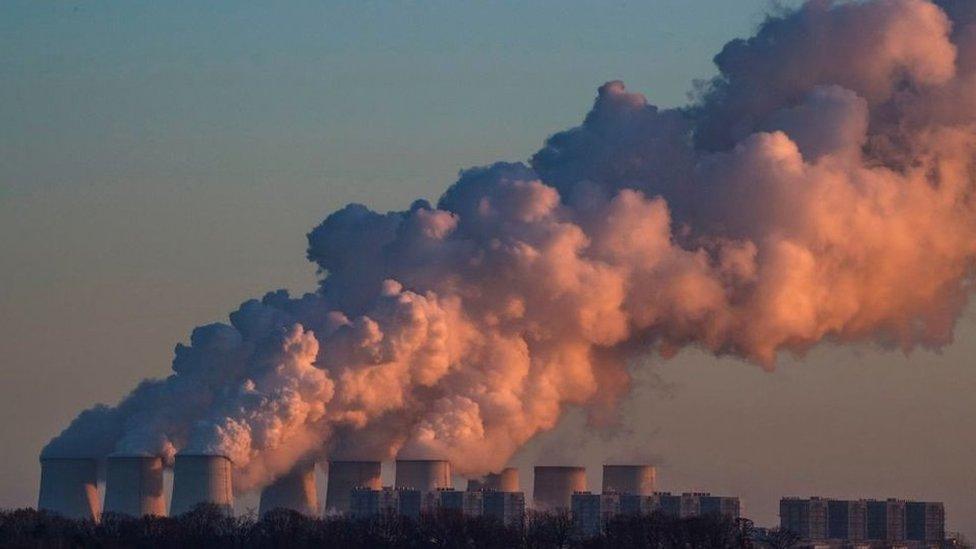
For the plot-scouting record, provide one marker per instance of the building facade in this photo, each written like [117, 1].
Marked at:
[864, 523]
[509, 507]
[591, 512]
[367, 502]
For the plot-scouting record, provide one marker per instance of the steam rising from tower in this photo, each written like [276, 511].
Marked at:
[820, 187]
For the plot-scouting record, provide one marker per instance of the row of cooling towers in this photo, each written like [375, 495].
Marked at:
[134, 484]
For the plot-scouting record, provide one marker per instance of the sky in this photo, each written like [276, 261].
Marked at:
[161, 163]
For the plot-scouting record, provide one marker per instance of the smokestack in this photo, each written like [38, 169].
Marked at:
[134, 486]
[505, 481]
[554, 486]
[201, 479]
[628, 479]
[426, 475]
[295, 491]
[344, 476]
[69, 487]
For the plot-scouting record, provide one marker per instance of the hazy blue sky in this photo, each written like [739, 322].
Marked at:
[161, 162]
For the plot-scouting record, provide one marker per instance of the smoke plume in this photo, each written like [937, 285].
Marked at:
[820, 188]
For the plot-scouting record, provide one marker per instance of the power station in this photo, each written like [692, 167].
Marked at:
[134, 486]
[554, 486]
[295, 491]
[425, 475]
[344, 477]
[200, 478]
[69, 487]
[629, 479]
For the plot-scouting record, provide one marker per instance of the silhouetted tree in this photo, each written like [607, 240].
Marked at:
[777, 538]
[211, 527]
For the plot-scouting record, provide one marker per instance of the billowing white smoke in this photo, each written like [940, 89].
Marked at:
[821, 188]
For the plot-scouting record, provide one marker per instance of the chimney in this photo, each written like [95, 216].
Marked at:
[554, 486]
[344, 476]
[628, 479]
[505, 481]
[69, 487]
[295, 491]
[134, 486]
[426, 475]
[201, 479]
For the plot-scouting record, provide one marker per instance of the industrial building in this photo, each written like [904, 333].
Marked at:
[629, 479]
[295, 491]
[134, 486]
[69, 487]
[554, 487]
[469, 503]
[592, 511]
[509, 507]
[868, 523]
[199, 478]
[505, 481]
[344, 476]
[367, 502]
[425, 475]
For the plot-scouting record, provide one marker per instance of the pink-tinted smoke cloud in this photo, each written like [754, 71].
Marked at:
[821, 188]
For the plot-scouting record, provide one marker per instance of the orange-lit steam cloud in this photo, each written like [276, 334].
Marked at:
[821, 188]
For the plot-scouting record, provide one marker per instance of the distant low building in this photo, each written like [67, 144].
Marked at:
[868, 524]
[509, 507]
[368, 502]
[591, 512]
[469, 503]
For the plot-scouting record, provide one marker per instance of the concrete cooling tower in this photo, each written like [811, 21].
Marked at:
[505, 481]
[134, 486]
[69, 487]
[295, 491]
[628, 479]
[426, 475]
[346, 475]
[201, 479]
[554, 486]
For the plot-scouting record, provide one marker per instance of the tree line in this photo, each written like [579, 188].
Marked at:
[210, 527]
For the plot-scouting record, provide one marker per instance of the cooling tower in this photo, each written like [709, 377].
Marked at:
[628, 479]
[426, 475]
[69, 487]
[344, 476]
[295, 491]
[506, 481]
[554, 486]
[134, 486]
[201, 479]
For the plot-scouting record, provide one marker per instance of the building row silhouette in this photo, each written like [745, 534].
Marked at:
[864, 523]
[134, 486]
